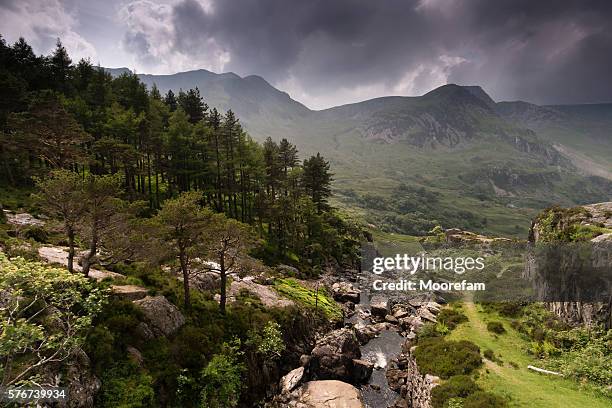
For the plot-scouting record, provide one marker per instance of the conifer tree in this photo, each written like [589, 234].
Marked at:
[316, 180]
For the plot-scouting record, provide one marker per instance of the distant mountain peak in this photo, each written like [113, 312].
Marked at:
[480, 93]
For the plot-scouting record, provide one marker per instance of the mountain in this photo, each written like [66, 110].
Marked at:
[453, 156]
[261, 107]
[582, 133]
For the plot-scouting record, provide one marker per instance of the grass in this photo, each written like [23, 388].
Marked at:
[524, 387]
[320, 300]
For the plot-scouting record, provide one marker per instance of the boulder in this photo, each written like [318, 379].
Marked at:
[413, 323]
[426, 314]
[379, 307]
[391, 319]
[129, 292]
[362, 370]
[365, 333]
[162, 317]
[291, 380]
[400, 312]
[345, 292]
[286, 270]
[208, 281]
[329, 394]
[333, 355]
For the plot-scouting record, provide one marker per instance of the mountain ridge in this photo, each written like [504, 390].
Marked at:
[466, 158]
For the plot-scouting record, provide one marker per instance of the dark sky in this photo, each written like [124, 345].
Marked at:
[329, 52]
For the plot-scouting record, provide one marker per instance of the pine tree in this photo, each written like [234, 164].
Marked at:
[170, 100]
[316, 181]
[191, 102]
[61, 68]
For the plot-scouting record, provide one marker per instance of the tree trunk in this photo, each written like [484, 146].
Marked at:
[185, 271]
[93, 248]
[71, 250]
[223, 299]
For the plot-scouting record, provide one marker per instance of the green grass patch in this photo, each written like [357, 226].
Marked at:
[322, 301]
[523, 387]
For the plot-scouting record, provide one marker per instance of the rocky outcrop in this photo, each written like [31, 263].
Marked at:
[75, 374]
[458, 236]
[334, 356]
[22, 219]
[570, 262]
[161, 316]
[321, 394]
[345, 292]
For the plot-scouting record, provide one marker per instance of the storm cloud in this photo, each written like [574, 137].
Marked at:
[326, 52]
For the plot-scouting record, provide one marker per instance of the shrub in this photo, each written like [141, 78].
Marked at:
[36, 233]
[489, 354]
[269, 343]
[126, 386]
[496, 327]
[222, 378]
[508, 309]
[447, 358]
[427, 331]
[543, 349]
[481, 399]
[451, 317]
[459, 386]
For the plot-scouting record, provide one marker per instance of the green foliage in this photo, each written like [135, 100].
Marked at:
[45, 315]
[496, 327]
[269, 343]
[482, 399]
[447, 358]
[458, 386]
[451, 317]
[320, 299]
[125, 386]
[586, 356]
[429, 330]
[222, 378]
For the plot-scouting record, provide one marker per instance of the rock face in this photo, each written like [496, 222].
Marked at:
[333, 357]
[321, 394]
[83, 385]
[573, 248]
[163, 318]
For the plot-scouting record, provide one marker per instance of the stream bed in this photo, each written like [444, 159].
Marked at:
[379, 350]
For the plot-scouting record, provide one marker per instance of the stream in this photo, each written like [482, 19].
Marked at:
[386, 346]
